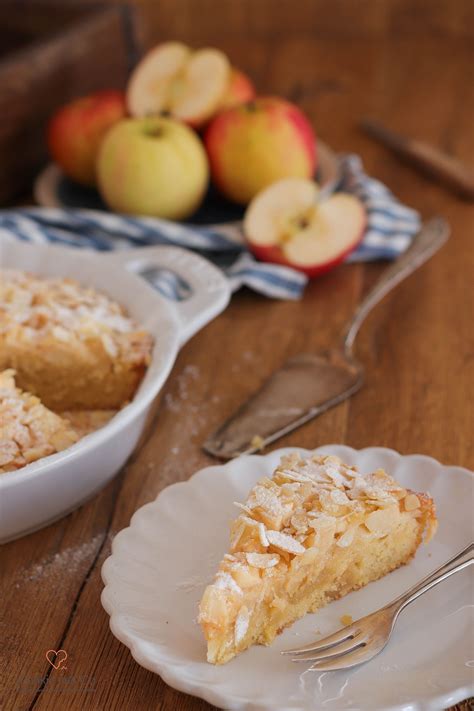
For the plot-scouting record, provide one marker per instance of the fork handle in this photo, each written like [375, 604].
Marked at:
[460, 561]
[429, 239]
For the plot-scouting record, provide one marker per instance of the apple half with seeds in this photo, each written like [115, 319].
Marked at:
[175, 80]
[287, 224]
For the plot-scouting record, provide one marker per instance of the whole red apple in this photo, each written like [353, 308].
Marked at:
[76, 130]
[152, 166]
[257, 143]
[239, 90]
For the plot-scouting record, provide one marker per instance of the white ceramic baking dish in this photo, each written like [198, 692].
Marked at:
[44, 491]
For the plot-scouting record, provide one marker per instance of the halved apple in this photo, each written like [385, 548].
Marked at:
[173, 79]
[287, 224]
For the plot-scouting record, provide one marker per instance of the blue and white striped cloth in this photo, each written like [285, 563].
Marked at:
[390, 228]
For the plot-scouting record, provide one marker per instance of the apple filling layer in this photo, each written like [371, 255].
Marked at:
[312, 533]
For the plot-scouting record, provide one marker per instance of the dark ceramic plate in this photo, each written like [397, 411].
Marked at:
[53, 189]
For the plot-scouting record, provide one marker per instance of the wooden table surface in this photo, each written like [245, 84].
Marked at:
[409, 66]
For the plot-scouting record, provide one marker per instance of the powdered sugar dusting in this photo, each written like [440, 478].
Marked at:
[241, 624]
[66, 562]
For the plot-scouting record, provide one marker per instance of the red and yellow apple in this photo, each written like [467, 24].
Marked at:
[76, 130]
[288, 224]
[152, 166]
[239, 90]
[173, 79]
[255, 144]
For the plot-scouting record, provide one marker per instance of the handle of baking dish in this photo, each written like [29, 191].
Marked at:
[198, 290]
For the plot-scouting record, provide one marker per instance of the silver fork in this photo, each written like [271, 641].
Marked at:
[364, 638]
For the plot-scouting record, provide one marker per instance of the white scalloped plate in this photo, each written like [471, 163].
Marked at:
[160, 565]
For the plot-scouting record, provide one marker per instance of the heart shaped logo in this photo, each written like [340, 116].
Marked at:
[56, 658]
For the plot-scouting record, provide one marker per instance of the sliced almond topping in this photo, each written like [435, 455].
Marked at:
[346, 539]
[262, 560]
[243, 507]
[337, 476]
[382, 521]
[339, 497]
[236, 533]
[330, 459]
[398, 493]
[412, 502]
[248, 521]
[322, 522]
[285, 543]
[298, 477]
[262, 534]
[225, 581]
[245, 577]
[299, 521]
[266, 505]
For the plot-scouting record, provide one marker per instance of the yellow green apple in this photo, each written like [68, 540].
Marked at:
[152, 166]
[252, 145]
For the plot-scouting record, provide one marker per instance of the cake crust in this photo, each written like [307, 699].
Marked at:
[313, 532]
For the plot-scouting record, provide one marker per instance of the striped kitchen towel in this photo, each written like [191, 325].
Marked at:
[390, 228]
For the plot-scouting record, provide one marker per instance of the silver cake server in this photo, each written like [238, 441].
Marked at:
[308, 384]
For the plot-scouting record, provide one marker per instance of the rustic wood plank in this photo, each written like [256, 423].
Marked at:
[207, 19]
[64, 53]
[408, 67]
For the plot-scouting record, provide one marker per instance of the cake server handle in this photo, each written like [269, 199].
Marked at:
[431, 237]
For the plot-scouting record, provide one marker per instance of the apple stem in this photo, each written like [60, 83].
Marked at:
[302, 223]
[155, 132]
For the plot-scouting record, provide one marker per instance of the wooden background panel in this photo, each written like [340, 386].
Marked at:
[214, 19]
[52, 55]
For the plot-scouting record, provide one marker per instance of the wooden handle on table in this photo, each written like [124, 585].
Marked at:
[427, 158]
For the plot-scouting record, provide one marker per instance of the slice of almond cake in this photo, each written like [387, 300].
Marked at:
[315, 531]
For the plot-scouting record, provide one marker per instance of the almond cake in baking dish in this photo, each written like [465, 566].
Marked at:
[313, 532]
[70, 345]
